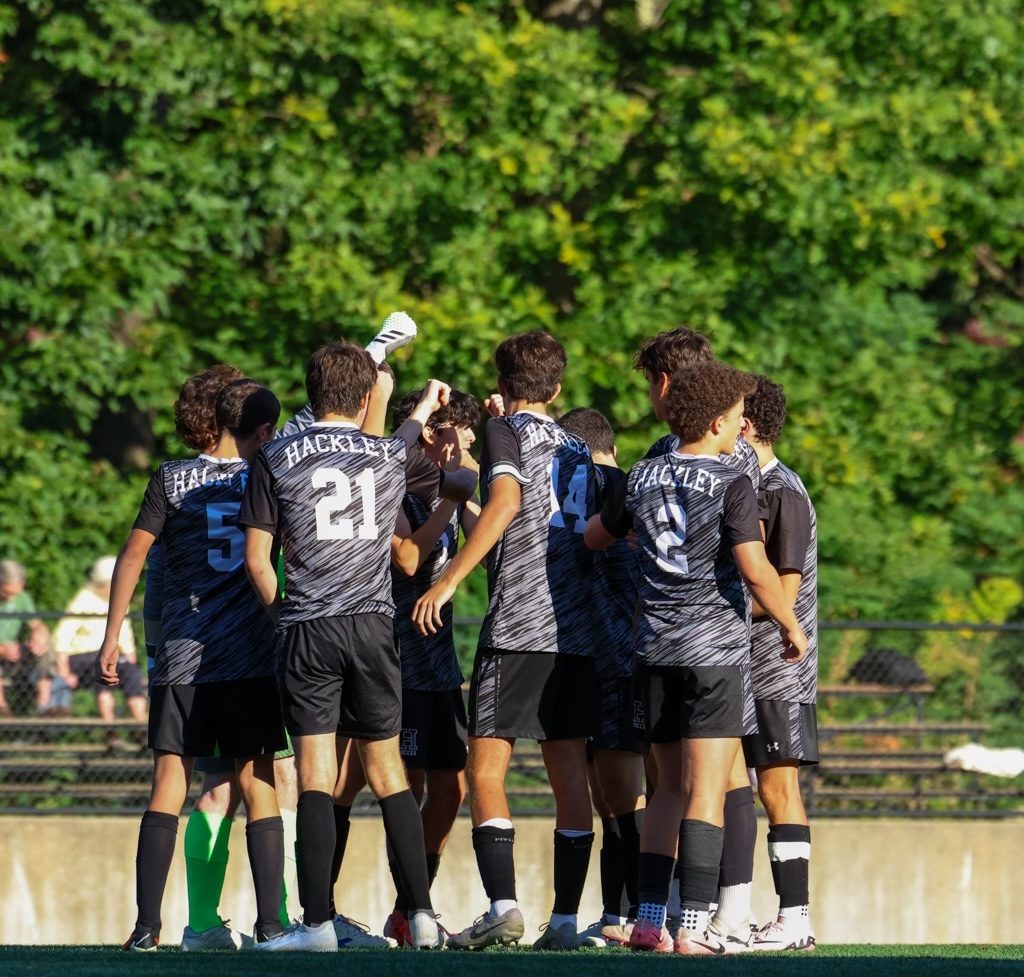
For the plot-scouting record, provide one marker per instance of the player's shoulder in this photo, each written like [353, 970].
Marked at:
[786, 477]
[664, 444]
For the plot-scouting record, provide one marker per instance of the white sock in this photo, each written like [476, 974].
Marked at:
[675, 905]
[568, 832]
[501, 906]
[610, 919]
[695, 920]
[651, 912]
[795, 915]
[734, 904]
[560, 919]
[502, 823]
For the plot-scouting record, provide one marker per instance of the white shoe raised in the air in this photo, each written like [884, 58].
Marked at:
[397, 330]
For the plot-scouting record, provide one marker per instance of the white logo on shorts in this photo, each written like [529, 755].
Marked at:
[639, 718]
[408, 745]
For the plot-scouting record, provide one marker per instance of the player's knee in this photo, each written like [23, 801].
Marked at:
[778, 788]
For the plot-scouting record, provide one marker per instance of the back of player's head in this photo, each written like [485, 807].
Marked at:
[339, 376]
[462, 410]
[244, 406]
[592, 426]
[701, 393]
[766, 408]
[669, 352]
[195, 410]
[530, 365]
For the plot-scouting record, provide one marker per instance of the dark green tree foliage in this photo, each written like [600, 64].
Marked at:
[833, 190]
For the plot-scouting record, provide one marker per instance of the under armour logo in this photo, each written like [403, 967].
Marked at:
[773, 747]
[408, 745]
[639, 716]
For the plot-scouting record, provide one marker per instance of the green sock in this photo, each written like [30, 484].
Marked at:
[206, 864]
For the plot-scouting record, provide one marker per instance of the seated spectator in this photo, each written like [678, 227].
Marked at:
[78, 638]
[14, 600]
[52, 694]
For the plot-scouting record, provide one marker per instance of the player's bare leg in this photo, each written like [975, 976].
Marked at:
[286, 781]
[445, 792]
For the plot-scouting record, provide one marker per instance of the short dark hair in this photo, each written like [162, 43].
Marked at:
[699, 394]
[195, 410]
[530, 365]
[671, 351]
[462, 410]
[766, 408]
[592, 426]
[244, 405]
[338, 378]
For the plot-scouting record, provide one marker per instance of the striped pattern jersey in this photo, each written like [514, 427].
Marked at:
[743, 457]
[791, 542]
[331, 495]
[214, 628]
[539, 571]
[429, 663]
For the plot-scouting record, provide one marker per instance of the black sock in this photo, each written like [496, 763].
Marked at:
[494, 858]
[700, 853]
[342, 824]
[572, 859]
[612, 878]
[314, 829]
[401, 892]
[157, 835]
[655, 877]
[789, 867]
[629, 828]
[404, 828]
[433, 864]
[679, 861]
[264, 840]
[740, 838]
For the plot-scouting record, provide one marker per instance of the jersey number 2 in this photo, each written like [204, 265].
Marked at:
[575, 501]
[330, 505]
[671, 542]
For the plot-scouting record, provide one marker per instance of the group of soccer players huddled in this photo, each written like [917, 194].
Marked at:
[654, 630]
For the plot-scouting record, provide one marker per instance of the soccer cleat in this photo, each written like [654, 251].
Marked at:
[320, 938]
[354, 935]
[777, 936]
[397, 330]
[710, 943]
[618, 934]
[396, 928]
[141, 941]
[593, 935]
[738, 939]
[488, 930]
[425, 932]
[647, 936]
[562, 937]
[221, 937]
[673, 924]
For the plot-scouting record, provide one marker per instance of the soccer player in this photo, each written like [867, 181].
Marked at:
[533, 675]
[331, 495]
[212, 687]
[619, 745]
[699, 537]
[784, 695]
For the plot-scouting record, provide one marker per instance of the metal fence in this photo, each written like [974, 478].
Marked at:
[897, 703]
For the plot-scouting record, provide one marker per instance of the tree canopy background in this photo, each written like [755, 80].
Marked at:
[832, 190]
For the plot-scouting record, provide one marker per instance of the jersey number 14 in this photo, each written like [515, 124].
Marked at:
[573, 503]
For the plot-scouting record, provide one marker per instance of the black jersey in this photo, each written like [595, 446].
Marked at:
[615, 592]
[429, 663]
[214, 628]
[743, 457]
[331, 496]
[688, 512]
[538, 573]
[791, 542]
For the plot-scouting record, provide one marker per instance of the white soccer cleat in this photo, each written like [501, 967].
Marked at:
[736, 939]
[425, 931]
[779, 936]
[353, 935]
[220, 937]
[319, 939]
[397, 330]
[593, 935]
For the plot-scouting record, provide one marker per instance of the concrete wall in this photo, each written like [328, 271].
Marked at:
[71, 880]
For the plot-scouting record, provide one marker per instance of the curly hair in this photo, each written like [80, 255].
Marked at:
[463, 410]
[195, 410]
[671, 351]
[591, 426]
[700, 394]
[766, 408]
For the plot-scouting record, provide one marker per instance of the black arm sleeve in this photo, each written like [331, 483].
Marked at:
[502, 454]
[615, 517]
[742, 521]
[153, 511]
[790, 534]
[259, 504]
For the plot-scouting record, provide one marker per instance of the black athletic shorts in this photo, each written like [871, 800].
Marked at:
[237, 719]
[535, 696]
[83, 667]
[433, 730]
[785, 731]
[341, 675]
[621, 720]
[701, 701]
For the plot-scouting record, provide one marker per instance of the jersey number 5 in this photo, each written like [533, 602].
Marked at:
[330, 505]
[217, 528]
[671, 542]
[573, 503]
